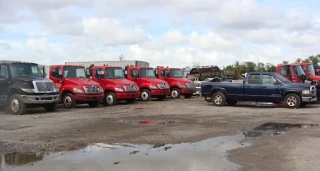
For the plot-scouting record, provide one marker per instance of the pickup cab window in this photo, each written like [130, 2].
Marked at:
[254, 79]
[4, 72]
[267, 79]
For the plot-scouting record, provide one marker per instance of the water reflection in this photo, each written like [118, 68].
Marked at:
[17, 159]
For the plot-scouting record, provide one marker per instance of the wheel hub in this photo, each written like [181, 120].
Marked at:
[144, 95]
[291, 101]
[15, 105]
[174, 94]
[109, 99]
[218, 99]
[67, 101]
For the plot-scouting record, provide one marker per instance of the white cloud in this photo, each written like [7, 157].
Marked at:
[297, 20]
[111, 33]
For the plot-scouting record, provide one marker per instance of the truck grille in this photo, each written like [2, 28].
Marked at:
[44, 86]
[132, 87]
[92, 89]
[190, 85]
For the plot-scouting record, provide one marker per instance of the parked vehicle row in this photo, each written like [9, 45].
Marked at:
[25, 85]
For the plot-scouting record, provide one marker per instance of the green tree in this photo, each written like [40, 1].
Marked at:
[313, 59]
[270, 68]
[306, 60]
[251, 66]
[285, 62]
[261, 67]
[299, 60]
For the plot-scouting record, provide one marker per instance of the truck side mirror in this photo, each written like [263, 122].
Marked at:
[60, 73]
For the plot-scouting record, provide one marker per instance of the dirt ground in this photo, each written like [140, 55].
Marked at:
[194, 120]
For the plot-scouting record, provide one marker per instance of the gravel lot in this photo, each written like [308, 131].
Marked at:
[194, 120]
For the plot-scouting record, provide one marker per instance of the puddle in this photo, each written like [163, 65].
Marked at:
[210, 154]
[272, 128]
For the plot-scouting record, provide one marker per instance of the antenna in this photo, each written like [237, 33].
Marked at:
[121, 57]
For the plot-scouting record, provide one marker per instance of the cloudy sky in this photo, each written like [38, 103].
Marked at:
[167, 32]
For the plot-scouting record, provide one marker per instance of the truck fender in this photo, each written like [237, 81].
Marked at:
[291, 91]
[216, 89]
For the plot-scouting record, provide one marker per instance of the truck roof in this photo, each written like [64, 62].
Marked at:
[17, 62]
[66, 65]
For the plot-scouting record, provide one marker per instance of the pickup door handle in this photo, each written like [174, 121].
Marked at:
[263, 86]
[247, 86]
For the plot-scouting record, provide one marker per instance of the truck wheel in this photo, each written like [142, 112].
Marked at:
[161, 98]
[17, 107]
[69, 101]
[219, 99]
[232, 102]
[175, 93]
[188, 96]
[131, 101]
[94, 104]
[110, 98]
[292, 101]
[145, 95]
[51, 107]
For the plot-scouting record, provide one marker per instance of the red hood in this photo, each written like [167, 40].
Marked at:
[80, 81]
[152, 80]
[315, 77]
[180, 80]
[121, 82]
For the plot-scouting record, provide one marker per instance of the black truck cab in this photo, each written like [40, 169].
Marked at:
[22, 86]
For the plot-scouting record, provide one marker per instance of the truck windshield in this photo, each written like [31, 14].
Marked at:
[147, 73]
[114, 73]
[299, 70]
[74, 72]
[281, 78]
[25, 70]
[311, 70]
[176, 73]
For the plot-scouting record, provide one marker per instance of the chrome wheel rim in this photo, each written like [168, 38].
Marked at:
[174, 94]
[292, 101]
[67, 101]
[15, 105]
[218, 99]
[144, 95]
[109, 99]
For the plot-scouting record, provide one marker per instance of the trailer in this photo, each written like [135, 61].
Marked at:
[122, 64]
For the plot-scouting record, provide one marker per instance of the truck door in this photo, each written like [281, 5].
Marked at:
[134, 76]
[252, 87]
[98, 76]
[56, 76]
[269, 90]
[4, 82]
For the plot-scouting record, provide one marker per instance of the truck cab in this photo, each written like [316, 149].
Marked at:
[74, 86]
[178, 84]
[23, 86]
[149, 85]
[115, 86]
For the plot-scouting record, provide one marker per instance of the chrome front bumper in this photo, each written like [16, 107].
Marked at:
[40, 99]
[309, 99]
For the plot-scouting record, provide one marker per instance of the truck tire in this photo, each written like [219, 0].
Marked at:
[110, 99]
[232, 102]
[292, 100]
[219, 99]
[16, 106]
[94, 104]
[69, 101]
[145, 95]
[188, 96]
[51, 107]
[130, 101]
[161, 98]
[175, 93]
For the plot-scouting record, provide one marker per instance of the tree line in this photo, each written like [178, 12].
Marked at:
[248, 66]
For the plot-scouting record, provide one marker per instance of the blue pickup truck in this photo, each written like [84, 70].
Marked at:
[260, 87]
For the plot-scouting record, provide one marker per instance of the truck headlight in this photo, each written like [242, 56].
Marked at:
[77, 90]
[56, 89]
[182, 85]
[153, 87]
[305, 91]
[28, 90]
[118, 89]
